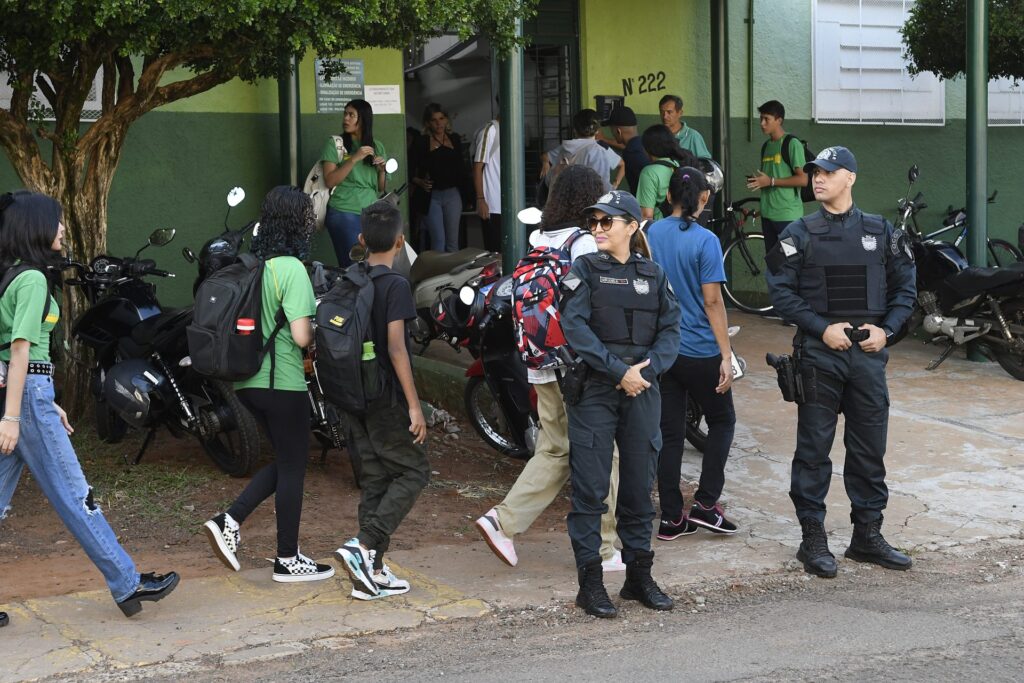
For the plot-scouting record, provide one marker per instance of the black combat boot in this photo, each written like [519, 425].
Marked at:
[640, 586]
[868, 545]
[593, 598]
[814, 552]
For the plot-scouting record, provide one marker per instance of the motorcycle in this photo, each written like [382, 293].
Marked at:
[957, 303]
[142, 376]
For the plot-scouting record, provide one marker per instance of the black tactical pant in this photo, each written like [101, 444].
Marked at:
[850, 382]
[604, 416]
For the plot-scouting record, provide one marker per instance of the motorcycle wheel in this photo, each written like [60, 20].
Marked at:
[109, 425]
[485, 414]
[232, 441]
[696, 428]
[1010, 360]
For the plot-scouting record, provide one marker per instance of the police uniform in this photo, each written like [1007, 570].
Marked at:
[615, 315]
[827, 268]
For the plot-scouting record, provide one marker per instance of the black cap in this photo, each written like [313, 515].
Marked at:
[618, 203]
[620, 116]
[833, 158]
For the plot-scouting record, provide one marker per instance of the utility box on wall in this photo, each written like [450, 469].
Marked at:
[605, 104]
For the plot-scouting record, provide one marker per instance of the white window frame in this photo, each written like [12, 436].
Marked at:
[90, 112]
[1014, 95]
[926, 84]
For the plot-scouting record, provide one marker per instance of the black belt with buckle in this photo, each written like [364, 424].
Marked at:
[40, 368]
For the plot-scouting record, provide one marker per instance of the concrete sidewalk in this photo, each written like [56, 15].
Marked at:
[956, 477]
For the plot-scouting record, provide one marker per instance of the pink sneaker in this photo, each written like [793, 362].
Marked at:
[614, 563]
[500, 544]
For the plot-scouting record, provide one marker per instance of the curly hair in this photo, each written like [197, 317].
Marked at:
[575, 188]
[286, 224]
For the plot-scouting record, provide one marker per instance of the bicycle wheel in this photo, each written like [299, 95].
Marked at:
[745, 284]
[1002, 253]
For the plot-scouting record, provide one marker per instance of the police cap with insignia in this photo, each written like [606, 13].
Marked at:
[832, 159]
[618, 203]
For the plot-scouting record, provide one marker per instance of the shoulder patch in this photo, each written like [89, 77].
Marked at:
[899, 244]
[570, 282]
[784, 251]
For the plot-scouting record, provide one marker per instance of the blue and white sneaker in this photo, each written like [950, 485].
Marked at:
[359, 565]
[387, 584]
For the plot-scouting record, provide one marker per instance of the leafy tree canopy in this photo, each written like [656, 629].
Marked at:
[936, 38]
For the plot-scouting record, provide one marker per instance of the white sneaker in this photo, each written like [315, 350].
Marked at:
[224, 537]
[614, 563]
[299, 569]
[501, 545]
[359, 565]
[387, 583]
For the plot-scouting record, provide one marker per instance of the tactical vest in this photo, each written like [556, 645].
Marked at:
[843, 270]
[624, 301]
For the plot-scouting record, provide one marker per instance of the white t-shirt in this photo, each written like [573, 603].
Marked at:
[487, 150]
[584, 244]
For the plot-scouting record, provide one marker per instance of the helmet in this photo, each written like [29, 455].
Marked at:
[453, 314]
[131, 387]
[713, 173]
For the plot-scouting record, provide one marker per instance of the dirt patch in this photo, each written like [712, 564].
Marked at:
[159, 506]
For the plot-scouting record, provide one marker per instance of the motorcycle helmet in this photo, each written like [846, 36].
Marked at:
[457, 310]
[131, 387]
[713, 173]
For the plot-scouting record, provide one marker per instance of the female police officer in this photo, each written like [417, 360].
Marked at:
[622, 319]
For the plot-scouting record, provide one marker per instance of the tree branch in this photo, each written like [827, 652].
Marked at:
[109, 84]
[47, 90]
[126, 74]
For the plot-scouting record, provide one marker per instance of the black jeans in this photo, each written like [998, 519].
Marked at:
[700, 377]
[284, 416]
[492, 232]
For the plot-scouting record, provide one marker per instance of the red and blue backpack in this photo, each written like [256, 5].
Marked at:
[535, 299]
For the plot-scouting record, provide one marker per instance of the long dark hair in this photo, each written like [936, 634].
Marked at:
[365, 114]
[28, 226]
[660, 143]
[575, 188]
[286, 224]
[686, 186]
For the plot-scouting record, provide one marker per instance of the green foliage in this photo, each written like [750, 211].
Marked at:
[936, 38]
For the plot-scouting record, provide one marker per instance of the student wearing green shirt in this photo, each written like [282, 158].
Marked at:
[34, 430]
[666, 156]
[671, 110]
[276, 394]
[357, 177]
[778, 182]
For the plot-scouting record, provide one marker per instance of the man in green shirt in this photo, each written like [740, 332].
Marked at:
[671, 109]
[778, 182]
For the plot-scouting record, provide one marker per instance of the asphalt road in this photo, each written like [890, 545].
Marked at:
[951, 618]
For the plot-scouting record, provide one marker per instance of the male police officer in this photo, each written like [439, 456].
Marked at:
[846, 279]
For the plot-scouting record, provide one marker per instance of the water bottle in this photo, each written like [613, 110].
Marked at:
[245, 326]
[371, 381]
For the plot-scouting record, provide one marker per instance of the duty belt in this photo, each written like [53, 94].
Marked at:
[855, 320]
[40, 368]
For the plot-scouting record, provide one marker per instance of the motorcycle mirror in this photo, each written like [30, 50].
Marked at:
[235, 196]
[531, 215]
[161, 236]
[391, 165]
[188, 255]
[467, 295]
[913, 173]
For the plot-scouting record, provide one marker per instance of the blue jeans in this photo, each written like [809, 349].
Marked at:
[44, 447]
[344, 229]
[442, 219]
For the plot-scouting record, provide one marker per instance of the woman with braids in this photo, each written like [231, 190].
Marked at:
[544, 475]
[666, 156]
[620, 316]
[692, 258]
[356, 173]
[34, 430]
[276, 394]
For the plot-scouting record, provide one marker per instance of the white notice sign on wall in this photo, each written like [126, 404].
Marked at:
[385, 99]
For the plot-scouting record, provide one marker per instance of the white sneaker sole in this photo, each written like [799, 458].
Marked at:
[302, 578]
[352, 566]
[219, 548]
[485, 532]
[384, 593]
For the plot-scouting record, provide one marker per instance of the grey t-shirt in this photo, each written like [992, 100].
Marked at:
[586, 152]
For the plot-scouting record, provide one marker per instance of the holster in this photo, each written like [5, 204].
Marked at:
[790, 377]
[573, 377]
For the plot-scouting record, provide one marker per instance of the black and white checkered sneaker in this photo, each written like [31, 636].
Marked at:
[224, 537]
[301, 568]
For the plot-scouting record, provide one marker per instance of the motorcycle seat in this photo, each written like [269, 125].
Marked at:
[974, 281]
[146, 331]
[431, 263]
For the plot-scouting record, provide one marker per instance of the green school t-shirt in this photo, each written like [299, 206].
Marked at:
[285, 285]
[693, 141]
[781, 203]
[359, 188]
[652, 188]
[21, 315]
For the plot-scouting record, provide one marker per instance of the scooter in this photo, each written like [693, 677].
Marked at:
[142, 376]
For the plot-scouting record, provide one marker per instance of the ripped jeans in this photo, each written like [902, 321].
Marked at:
[44, 447]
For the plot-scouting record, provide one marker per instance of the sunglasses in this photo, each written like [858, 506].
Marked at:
[604, 222]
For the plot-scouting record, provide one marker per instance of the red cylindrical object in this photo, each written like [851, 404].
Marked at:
[245, 325]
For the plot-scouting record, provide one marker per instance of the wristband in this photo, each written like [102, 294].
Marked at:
[773, 181]
[10, 418]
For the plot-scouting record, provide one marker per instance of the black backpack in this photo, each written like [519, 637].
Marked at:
[214, 344]
[807, 191]
[342, 326]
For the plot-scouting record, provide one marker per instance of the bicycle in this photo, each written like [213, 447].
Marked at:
[1000, 252]
[743, 255]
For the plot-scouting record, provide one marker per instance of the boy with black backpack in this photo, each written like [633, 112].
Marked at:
[388, 434]
[780, 178]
